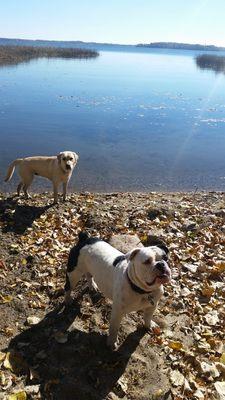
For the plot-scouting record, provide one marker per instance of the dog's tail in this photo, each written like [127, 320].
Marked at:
[11, 169]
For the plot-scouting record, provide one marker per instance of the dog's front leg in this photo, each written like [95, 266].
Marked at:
[65, 184]
[148, 313]
[55, 191]
[116, 317]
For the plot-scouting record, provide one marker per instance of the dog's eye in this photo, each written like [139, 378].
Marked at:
[70, 159]
[64, 158]
[148, 261]
[165, 257]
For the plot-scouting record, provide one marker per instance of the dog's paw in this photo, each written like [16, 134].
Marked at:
[151, 325]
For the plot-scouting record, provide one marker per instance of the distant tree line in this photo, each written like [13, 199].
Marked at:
[10, 55]
[181, 46]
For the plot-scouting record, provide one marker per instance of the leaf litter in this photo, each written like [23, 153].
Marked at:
[52, 353]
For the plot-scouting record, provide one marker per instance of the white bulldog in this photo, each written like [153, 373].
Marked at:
[133, 281]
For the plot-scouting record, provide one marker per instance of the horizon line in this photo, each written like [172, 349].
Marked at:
[111, 43]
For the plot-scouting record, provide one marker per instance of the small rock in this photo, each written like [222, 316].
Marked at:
[125, 243]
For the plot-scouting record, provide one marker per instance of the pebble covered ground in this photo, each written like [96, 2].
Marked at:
[52, 352]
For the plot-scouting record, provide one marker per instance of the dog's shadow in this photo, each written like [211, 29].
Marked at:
[16, 217]
[81, 367]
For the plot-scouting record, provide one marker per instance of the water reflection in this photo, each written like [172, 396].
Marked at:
[139, 122]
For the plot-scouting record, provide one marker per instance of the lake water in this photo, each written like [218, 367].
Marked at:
[144, 120]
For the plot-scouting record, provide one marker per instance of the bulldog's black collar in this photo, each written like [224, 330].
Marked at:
[135, 287]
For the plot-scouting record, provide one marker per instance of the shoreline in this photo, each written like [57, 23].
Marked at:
[49, 193]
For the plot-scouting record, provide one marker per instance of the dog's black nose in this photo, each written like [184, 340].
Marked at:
[68, 166]
[160, 266]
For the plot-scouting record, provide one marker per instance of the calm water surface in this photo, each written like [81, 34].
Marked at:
[139, 120]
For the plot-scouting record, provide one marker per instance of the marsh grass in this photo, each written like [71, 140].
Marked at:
[210, 61]
[12, 55]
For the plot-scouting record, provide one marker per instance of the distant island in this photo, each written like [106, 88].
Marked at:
[182, 46]
[12, 55]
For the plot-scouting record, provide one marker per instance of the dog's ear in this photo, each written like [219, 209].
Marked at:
[131, 254]
[76, 157]
[59, 156]
[156, 241]
[163, 247]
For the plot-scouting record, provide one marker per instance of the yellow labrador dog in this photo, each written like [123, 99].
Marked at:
[56, 168]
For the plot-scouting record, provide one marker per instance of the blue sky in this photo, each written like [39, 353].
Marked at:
[115, 21]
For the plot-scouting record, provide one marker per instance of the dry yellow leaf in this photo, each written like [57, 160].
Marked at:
[222, 358]
[18, 396]
[175, 345]
[5, 299]
[2, 356]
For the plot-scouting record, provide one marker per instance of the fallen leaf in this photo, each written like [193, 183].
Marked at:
[208, 291]
[175, 345]
[32, 320]
[15, 362]
[18, 396]
[222, 358]
[2, 356]
[5, 299]
[220, 389]
[212, 317]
